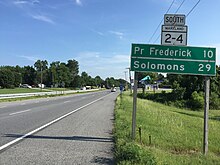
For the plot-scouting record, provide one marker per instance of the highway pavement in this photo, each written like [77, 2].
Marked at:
[73, 129]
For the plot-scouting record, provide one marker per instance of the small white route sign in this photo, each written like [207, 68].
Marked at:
[174, 35]
[174, 19]
[174, 31]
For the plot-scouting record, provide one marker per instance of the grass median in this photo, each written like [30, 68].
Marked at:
[164, 134]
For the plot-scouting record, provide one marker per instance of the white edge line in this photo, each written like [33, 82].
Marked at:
[48, 124]
[3, 107]
[19, 112]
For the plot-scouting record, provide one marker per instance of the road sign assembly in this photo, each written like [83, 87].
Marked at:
[174, 31]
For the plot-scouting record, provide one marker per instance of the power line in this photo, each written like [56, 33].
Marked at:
[161, 21]
[193, 8]
[180, 6]
[175, 13]
[186, 15]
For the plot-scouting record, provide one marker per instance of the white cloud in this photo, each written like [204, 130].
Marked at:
[120, 35]
[20, 2]
[25, 2]
[43, 18]
[30, 58]
[79, 2]
[97, 63]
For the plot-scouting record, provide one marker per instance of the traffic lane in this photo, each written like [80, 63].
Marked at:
[84, 137]
[8, 108]
[21, 123]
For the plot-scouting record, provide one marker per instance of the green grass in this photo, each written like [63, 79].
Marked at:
[176, 134]
[18, 90]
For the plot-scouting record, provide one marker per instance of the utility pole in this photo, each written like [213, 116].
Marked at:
[41, 75]
[129, 71]
[126, 87]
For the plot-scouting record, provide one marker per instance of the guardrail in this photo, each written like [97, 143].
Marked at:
[17, 95]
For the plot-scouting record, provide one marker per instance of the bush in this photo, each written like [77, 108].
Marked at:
[214, 101]
[197, 101]
[178, 93]
[133, 153]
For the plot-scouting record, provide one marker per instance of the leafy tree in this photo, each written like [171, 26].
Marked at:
[84, 79]
[6, 78]
[63, 73]
[53, 73]
[29, 75]
[73, 66]
[41, 67]
[98, 81]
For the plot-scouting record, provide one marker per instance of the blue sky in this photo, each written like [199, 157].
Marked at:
[96, 33]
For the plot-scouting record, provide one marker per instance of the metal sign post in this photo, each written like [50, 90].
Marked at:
[206, 111]
[134, 106]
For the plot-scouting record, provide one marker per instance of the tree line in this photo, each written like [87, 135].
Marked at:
[188, 91]
[55, 74]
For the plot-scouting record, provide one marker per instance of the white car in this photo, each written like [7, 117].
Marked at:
[25, 86]
[113, 89]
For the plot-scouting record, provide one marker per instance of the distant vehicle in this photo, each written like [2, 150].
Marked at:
[25, 86]
[41, 85]
[113, 89]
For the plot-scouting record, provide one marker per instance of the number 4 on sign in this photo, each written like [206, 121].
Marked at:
[180, 38]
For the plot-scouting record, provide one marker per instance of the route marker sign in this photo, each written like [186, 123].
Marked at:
[174, 19]
[174, 31]
[174, 35]
[173, 59]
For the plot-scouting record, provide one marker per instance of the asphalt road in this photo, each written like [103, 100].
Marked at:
[66, 130]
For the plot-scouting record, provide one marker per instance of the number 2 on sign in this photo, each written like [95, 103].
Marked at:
[207, 67]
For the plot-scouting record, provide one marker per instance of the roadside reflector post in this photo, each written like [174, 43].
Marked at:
[140, 132]
[206, 112]
[134, 105]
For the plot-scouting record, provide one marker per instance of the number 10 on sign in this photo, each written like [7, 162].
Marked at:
[174, 38]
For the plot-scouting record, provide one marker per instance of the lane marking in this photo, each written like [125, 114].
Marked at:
[3, 106]
[66, 101]
[15, 113]
[22, 103]
[48, 124]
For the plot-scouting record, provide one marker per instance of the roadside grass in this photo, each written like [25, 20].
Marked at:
[169, 135]
[18, 90]
[30, 97]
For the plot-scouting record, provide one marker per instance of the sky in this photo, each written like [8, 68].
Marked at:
[96, 33]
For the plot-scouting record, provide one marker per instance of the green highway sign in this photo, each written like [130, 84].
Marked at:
[173, 66]
[173, 59]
